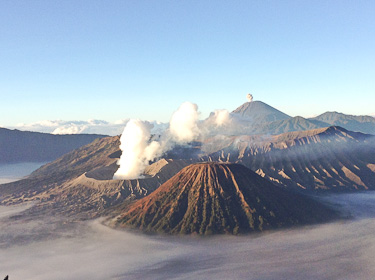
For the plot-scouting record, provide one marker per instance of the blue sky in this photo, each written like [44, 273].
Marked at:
[111, 60]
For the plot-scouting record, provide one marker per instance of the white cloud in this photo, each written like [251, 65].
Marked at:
[80, 127]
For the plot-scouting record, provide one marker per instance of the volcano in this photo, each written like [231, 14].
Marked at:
[217, 198]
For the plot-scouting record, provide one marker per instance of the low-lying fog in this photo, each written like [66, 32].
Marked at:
[13, 172]
[48, 248]
[45, 249]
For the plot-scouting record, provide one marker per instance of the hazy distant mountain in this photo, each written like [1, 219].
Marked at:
[211, 198]
[25, 146]
[259, 112]
[365, 124]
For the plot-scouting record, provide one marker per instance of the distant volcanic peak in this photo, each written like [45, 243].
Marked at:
[208, 198]
[260, 110]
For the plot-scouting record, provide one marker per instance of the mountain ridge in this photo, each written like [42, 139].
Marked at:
[27, 146]
[364, 124]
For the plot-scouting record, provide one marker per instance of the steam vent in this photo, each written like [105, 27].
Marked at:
[217, 198]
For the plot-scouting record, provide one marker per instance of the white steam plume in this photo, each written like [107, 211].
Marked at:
[184, 123]
[222, 117]
[136, 150]
[249, 97]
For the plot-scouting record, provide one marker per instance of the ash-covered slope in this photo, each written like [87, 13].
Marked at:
[26, 146]
[99, 153]
[364, 124]
[332, 159]
[215, 198]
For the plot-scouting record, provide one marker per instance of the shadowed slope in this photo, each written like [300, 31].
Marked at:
[208, 198]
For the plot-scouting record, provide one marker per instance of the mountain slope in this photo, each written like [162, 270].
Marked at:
[25, 146]
[288, 125]
[208, 198]
[259, 112]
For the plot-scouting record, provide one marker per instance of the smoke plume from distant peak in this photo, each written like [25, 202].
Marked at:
[249, 97]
